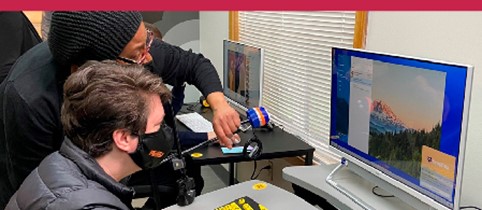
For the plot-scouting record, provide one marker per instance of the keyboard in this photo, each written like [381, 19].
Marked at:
[195, 122]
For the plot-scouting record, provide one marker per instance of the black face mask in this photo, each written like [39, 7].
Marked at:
[153, 148]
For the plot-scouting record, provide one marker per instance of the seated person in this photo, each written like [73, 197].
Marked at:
[112, 116]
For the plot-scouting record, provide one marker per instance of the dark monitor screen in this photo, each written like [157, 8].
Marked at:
[243, 73]
[403, 116]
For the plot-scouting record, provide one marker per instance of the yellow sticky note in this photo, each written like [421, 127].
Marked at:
[196, 155]
[259, 186]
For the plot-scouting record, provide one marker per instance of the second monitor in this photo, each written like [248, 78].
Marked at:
[243, 74]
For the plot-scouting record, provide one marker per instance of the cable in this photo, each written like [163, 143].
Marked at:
[255, 166]
[193, 107]
[469, 207]
[260, 170]
[383, 196]
[280, 126]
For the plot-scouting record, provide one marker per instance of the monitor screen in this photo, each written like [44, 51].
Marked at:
[403, 116]
[243, 72]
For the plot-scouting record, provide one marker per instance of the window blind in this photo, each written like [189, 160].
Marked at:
[297, 68]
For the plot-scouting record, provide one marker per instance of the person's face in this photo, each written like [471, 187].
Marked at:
[154, 120]
[145, 150]
[137, 50]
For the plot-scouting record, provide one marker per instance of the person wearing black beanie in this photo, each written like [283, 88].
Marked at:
[75, 37]
[31, 95]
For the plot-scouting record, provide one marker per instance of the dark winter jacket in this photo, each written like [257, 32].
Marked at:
[70, 179]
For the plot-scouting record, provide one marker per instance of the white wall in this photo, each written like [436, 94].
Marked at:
[450, 36]
[214, 27]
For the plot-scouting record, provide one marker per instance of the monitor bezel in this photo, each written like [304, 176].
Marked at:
[238, 105]
[363, 163]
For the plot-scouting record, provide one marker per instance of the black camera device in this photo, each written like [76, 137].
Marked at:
[186, 192]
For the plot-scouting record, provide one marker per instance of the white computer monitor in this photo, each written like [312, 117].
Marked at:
[403, 119]
[243, 74]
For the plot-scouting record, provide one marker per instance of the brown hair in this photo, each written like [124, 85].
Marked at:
[104, 96]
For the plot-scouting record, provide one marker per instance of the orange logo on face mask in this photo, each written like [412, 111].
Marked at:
[156, 154]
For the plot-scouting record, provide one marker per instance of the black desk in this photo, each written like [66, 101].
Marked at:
[276, 144]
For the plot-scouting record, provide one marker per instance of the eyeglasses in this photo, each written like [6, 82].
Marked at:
[149, 39]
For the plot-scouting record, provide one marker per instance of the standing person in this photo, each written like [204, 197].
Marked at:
[31, 95]
[112, 117]
[17, 36]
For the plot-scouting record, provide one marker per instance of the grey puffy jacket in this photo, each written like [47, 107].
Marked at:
[70, 179]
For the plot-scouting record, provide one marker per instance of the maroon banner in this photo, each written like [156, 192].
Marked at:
[218, 5]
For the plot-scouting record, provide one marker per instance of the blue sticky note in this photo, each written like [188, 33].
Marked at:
[234, 150]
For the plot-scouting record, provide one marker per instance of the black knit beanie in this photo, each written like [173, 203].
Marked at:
[76, 37]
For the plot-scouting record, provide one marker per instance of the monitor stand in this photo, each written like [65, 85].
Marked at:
[402, 195]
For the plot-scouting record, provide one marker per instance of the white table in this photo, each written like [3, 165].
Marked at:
[312, 178]
[272, 197]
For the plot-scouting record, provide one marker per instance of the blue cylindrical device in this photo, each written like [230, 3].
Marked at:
[258, 116]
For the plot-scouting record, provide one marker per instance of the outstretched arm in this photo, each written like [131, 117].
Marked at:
[225, 120]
